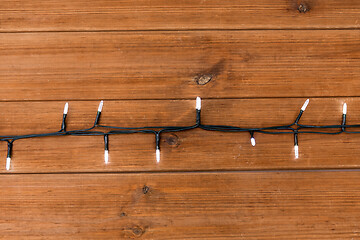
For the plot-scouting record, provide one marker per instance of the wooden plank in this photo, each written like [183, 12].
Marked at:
[184, 151]
[158, 65]
[258, 205]
[90, 15]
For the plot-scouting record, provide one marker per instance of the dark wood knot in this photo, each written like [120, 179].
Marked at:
[145, 189]
[123, 214]
[303, 8]
[172, 140]
[138, 231]
[203, 79]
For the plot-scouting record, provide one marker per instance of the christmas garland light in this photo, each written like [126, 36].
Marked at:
[294, 128]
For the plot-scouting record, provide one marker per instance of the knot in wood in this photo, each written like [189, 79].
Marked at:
[137, 231]
[303, 8]
[172, 140]
[203, 79]
[145, 189]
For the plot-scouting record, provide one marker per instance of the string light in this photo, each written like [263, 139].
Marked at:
[99, 112]
[344, 116]
[63, 124]
[66, 109]
[157, 153]
[8, 161]
[296, 146]
[306, 103]
[295, 128]
[8, 158]
[198, 103]
[252, 139]
[301, 111]
[344, 109]
[157, 149]
[106, 153]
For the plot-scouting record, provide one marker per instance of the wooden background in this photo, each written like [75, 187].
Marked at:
[253, 62]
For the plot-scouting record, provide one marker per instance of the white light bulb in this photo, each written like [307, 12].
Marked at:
[157, 155]
[106, 156]
[305, 105]
[253, 141]
[344, 108]
[8, 160]
[296, 148]
[66, 108]
[198, 103]
[100, 106]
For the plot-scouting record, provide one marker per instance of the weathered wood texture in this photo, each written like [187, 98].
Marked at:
[287, 205]
[254, 62]
[158, 65]
[90, 15]
[184, 151]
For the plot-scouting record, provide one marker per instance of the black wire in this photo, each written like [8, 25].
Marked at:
[294, 128]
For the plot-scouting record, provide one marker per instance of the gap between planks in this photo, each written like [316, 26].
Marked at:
[191, 172]
[182, 30]
[173, 99]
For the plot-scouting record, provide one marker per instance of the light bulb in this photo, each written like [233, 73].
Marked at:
[253, 141]
[296, 148]
[198, 103]
[98, 112]
[8, 160]
[344, 108]
[66, 108]
[100, 106]
[305, 105]
[157, 155]
[106, 156]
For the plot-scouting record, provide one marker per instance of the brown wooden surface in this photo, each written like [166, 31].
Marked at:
[254, 62]
[158, 65]
[91, 15]
[252, 205]
[185, 151]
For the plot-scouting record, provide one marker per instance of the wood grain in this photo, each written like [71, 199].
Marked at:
[258, 205]
[163, 65]
[185, 151]
[91, 15]
[254, 62]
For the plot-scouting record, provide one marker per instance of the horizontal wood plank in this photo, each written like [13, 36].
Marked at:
[90, 15]
[163, 65]
[257, 205]
[182, 151]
